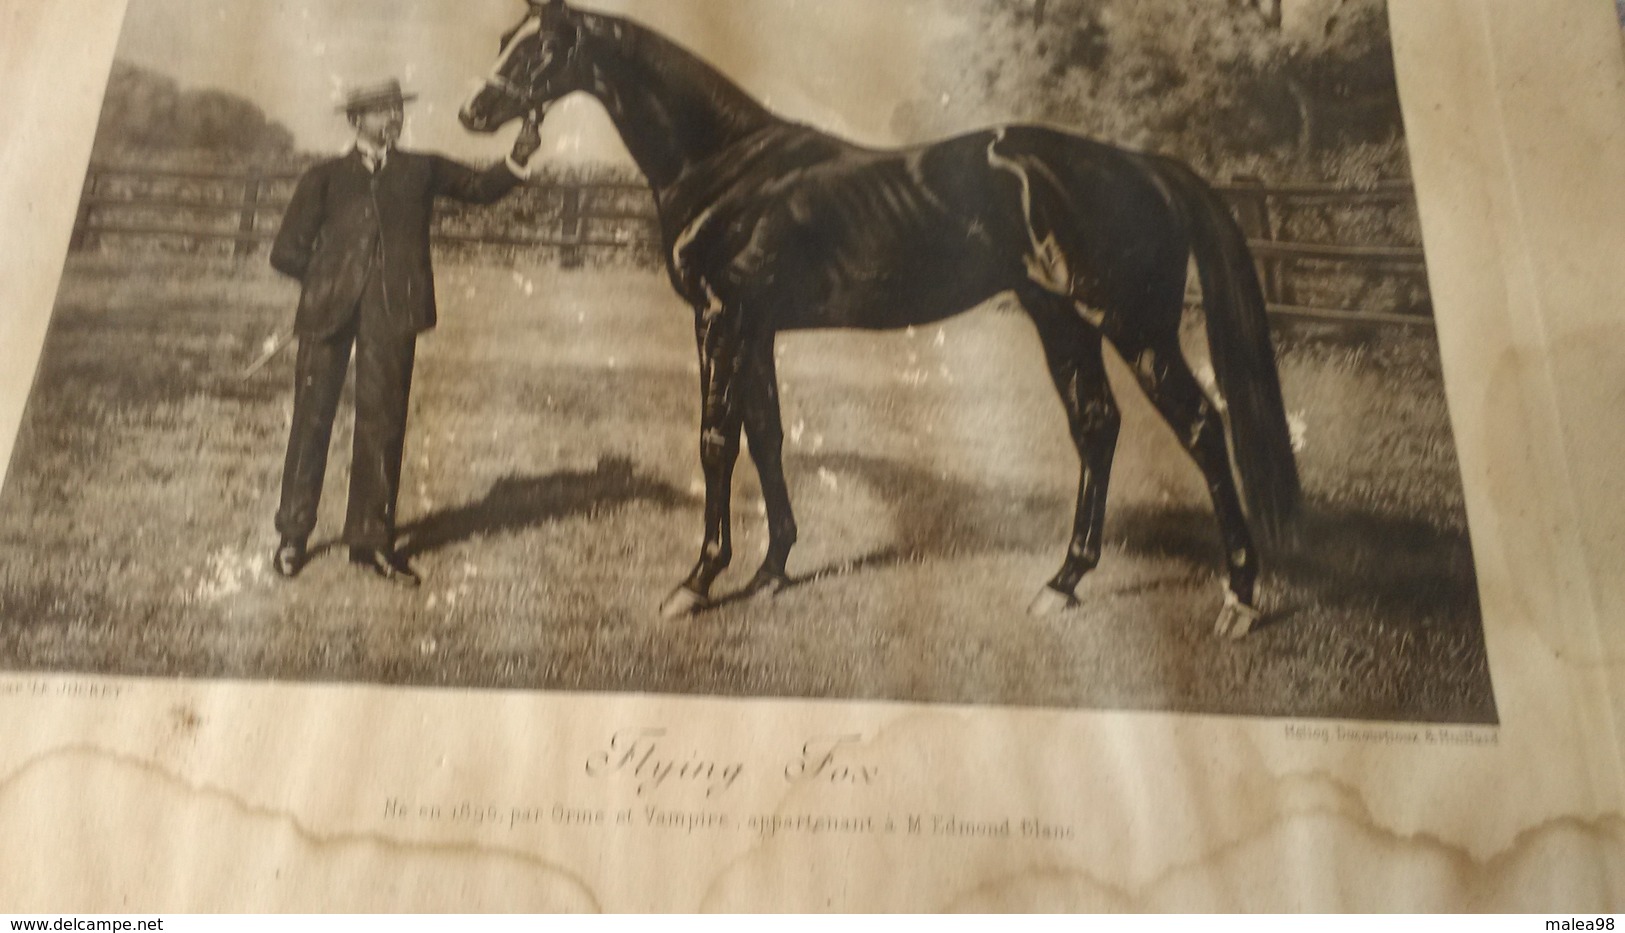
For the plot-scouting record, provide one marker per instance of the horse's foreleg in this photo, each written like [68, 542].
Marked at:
[1167, 379]
[1073, 350]
[765, 431]
[717, 333]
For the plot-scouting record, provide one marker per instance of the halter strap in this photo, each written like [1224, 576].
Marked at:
[508, 87]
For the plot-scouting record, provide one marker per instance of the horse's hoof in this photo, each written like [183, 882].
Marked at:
[1236, 619]
[766, 585]
[1051, 601]
[682, 602]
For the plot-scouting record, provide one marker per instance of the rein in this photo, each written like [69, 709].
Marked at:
[534, 110]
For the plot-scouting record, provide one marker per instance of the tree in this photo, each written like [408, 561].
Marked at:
[145, 110]
[1337, 65]
[1211, 80]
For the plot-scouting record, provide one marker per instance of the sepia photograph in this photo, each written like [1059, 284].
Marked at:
[1079, 354]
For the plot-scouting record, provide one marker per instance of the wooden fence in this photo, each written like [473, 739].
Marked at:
[1262, 208]
[243, 209]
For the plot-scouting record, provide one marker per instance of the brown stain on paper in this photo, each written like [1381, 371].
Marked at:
[1298, 840]
[164, 864]
[1379, 869]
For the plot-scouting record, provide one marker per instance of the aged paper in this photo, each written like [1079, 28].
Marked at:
[151, 793]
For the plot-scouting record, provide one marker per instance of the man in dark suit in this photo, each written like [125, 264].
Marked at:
[356, 235]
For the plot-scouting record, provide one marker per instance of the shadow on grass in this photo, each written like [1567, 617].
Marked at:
[935, 516]
[517, 503]
[1346, 558]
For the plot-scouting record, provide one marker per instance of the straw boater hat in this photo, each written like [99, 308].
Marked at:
[365, 97]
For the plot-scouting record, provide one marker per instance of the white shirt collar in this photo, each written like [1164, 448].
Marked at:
[377, 154]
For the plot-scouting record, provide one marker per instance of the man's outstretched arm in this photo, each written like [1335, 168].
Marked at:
[455, 180]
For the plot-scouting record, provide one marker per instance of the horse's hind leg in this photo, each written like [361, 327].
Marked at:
[1072, 347]
[1166, 377]
[765, 432]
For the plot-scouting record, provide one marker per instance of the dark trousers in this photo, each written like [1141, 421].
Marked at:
[383, 385]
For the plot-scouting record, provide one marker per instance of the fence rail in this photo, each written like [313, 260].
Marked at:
[1263, 210]
[243, 211]
[583, 209]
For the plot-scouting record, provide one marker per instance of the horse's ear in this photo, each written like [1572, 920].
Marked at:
[548, 10]
[555, 13]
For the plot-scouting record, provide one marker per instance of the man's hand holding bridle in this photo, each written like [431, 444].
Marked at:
[528, 141]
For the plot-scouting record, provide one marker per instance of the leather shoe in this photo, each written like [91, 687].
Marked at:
[385, 565]
[289, 559]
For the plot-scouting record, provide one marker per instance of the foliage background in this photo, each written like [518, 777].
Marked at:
[1303, 90]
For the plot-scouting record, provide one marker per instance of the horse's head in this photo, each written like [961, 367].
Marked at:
[535, 66]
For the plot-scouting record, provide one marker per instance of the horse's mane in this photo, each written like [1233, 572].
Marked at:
[694, 80]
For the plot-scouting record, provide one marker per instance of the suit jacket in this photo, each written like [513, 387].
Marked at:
[341, 214]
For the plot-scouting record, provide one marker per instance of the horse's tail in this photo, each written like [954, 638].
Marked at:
[1238, 337]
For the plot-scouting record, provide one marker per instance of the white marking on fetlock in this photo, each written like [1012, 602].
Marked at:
[1236, 619]
[681, 603]
[1051, 601]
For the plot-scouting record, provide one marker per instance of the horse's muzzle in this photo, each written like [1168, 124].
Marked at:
[473, 120]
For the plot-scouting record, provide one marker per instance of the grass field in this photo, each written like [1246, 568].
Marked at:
[552, 498]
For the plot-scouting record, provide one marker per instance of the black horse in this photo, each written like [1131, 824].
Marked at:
[769, 225]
